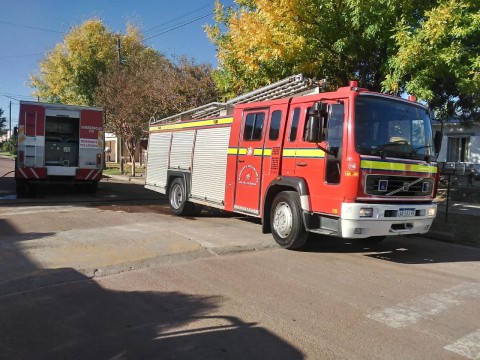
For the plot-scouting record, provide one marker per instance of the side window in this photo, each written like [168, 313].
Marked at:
[275, 125]
[335, 141]
[253, 126]
[335, 126]
[294, 128]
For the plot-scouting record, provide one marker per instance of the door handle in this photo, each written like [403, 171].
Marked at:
[302, 164]
[240, 161]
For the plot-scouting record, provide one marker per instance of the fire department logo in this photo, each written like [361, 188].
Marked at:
[248, 175]
[352, 166]
[250, 151]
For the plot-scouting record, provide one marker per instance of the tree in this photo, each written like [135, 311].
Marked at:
[260, 41]
[70, 72]
[439, 60]
[148, 85]
[3, 122]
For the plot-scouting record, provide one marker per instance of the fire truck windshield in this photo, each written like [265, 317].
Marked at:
[393, 128]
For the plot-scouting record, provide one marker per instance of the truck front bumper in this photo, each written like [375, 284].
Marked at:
[366, 220]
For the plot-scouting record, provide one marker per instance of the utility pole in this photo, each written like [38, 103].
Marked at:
[119, 139]
[10, 124]
[119, 48]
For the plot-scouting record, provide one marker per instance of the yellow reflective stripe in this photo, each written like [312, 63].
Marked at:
[289, 152]
[391, 166]
[311, 153]
[191, 124]
[306, 153]
[243, 151]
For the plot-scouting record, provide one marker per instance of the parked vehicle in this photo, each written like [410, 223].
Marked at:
[58, 144]
[349, 163]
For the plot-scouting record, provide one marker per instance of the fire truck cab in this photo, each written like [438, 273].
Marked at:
[349, 163]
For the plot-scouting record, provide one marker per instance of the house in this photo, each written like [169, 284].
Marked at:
[113, 152]
[460, 144]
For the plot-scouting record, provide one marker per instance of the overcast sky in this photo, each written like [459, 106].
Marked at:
[30, 28]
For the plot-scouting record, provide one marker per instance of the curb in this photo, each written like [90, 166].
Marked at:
[140, 181]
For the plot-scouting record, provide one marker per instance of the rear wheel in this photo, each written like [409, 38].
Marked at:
[178, 199]
[21, 188]
[287, 222]
[92, 187]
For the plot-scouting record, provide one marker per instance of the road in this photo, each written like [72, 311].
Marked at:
[116, 276]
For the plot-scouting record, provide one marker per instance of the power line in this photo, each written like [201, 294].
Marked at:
[31, 27]
[178, 18]
[19, 56]
[179, 26]
[13, 96]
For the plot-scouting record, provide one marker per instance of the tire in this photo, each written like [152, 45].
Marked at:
[92, 187]
[21, 188]
[287, 222]
[177, 196]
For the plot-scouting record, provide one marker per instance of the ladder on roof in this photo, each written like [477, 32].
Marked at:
[292, 85]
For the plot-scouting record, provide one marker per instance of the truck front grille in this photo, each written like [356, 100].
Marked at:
[398, 186]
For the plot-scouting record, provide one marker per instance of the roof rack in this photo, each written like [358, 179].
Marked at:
[292, 85]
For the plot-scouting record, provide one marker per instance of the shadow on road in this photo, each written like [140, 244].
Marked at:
[62, 314]
[402, 249]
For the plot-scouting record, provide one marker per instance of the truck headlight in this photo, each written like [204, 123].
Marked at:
[366, 212]
[432, 211]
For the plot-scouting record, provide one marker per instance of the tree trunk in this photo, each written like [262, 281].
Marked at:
[120, 140]
[131, 146]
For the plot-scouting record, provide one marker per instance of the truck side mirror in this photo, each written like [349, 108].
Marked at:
[312, 129]
[15, 131]
[317, 122]
[438, 141]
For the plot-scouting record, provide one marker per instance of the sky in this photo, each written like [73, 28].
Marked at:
[30, 28]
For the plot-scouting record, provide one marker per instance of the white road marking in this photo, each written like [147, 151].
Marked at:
[468, 346]
[404, 314]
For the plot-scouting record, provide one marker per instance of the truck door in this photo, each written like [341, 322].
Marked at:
[321, 170]
[250, 160]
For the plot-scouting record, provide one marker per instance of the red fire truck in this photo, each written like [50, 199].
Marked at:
[58, 144]
[350, 163]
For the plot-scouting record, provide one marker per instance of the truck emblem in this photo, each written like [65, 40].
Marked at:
[250, 151]
[406, 186]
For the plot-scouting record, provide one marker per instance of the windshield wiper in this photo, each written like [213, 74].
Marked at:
[379, 150]
[414, 151]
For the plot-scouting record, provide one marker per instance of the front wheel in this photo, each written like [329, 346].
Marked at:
[178, 199]
[287, 222]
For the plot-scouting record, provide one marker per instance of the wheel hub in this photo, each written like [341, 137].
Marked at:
[177, 197]
[283, 219]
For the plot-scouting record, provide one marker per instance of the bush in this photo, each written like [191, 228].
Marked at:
[10, 146]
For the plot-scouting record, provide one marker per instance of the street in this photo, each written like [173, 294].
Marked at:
[116, 276]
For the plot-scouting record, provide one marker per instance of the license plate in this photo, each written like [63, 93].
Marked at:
[406, 212]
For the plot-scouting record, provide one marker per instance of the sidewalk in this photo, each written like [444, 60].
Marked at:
[140, 180]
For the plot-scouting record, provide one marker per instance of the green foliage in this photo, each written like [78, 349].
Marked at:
[70, 72]
[3, 122]
[84, 69]
[10, 146]
[260, 41]
[439, 60]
